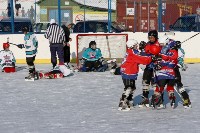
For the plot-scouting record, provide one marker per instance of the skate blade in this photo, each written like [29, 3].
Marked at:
[29, 79]
[124, 109]
[173, 106]
[144, 106]
[188, 107]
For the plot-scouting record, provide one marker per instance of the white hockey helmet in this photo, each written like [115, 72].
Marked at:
[163, 40]
[130, 43]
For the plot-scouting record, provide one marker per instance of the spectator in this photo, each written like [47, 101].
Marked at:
[32, 13]
[67, 45]
[23, 12]
[9, 10]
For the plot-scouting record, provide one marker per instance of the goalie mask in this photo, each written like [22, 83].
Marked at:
[132, 43]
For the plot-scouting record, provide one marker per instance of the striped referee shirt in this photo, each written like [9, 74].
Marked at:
[55, 34]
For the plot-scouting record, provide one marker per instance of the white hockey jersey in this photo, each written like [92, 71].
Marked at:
[7, 58]
[31, 44]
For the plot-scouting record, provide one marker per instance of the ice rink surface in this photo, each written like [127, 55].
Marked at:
[87, 103]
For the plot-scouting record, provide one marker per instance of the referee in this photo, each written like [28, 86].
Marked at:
[56, 36]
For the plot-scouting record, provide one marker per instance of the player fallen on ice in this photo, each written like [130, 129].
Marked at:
[129, 73]
[30, 45]
[7, 59]
[92, 57]
[59, 71]
[165, 74]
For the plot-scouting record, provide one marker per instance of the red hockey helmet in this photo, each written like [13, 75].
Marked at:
[6, 45]
[155, 49]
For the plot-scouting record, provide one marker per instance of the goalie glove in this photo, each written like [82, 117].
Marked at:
[20, 46]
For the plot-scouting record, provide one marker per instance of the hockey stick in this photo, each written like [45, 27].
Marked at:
[12, 44]
[175, 88]
[190, 37]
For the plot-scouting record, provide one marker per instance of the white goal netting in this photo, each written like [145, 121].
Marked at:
[111, 45]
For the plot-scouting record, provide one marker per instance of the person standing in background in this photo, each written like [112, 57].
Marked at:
[56, 37]
[66, 47]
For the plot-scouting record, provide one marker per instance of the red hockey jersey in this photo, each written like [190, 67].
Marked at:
[130, 65]
[169, 61]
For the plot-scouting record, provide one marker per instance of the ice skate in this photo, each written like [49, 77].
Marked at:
[172, 100]
[144, 103]
[157, 102]
[123, 106]
[30, 77]
[187, 104]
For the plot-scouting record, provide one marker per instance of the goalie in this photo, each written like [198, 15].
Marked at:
[92, 58]
[7, 59]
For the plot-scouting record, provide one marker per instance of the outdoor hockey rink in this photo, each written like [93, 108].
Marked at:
[88, 103]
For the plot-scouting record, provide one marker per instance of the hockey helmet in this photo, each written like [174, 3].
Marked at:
[131, 43]
[153, 33]
[155, 50]
[163, 40]
[92, 43]
[6, 45]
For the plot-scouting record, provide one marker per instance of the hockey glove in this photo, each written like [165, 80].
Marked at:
[156, 58]
[20, 46]
[184, 67]
[142, 45]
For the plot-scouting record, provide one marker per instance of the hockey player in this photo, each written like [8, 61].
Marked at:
[30, 45]
[60, 71]
[179, 84]
[177, 46]
[166, 74]
[92, 57]
[7, 59]
[151, 48]
[129, 73]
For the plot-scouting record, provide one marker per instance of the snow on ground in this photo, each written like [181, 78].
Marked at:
[87, 103]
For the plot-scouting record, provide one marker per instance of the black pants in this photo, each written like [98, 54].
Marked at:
[163, 82]
[92, 65]
[129, 83]
[178, 77]
[66, 54]
[147, 75]
[30, 63]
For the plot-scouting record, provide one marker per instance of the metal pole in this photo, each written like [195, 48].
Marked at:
[159, 15]
[134, 17]
[148, 21]
[35, 11]
[126, 15]
[109, 15]
[84, 17]
[12, 16]
[59, 13]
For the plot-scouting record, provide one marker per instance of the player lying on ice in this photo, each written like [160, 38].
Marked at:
[93, 60]
[7, 59]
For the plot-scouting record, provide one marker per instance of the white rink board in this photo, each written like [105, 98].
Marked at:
[191, 47]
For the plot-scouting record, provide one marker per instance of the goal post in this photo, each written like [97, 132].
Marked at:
[112, 46]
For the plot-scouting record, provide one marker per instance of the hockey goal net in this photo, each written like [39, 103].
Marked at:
[112, 46]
